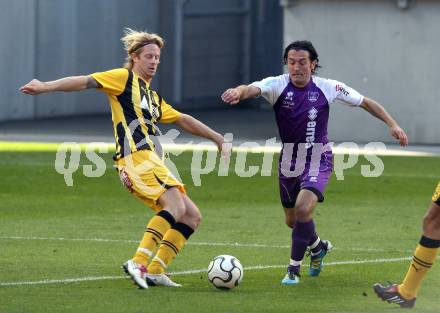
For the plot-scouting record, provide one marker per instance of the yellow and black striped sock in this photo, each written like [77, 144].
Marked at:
[171, 244]
[156, 228]
[423, 259]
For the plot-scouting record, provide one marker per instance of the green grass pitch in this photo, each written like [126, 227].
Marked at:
[376, 220]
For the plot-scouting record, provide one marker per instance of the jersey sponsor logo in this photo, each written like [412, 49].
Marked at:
[313, 96]
[341, 89]
[311, 128]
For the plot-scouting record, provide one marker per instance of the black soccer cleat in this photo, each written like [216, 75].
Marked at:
[391, 294]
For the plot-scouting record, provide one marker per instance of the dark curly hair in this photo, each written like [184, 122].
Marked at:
[306, 46]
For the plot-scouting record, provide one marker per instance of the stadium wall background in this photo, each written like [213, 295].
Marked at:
[384, 49]
[209, 46]
[387, 50]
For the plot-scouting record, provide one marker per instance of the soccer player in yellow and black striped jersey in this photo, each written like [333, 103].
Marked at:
[424, 257]
[136, 109]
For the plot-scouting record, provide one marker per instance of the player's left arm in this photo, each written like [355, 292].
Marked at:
[197, 128]
[378, 111]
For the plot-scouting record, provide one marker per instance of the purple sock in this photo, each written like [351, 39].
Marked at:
[301, 236]
[313, 238]
[313, 241]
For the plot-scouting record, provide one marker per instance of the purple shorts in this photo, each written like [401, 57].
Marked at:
[290, 187]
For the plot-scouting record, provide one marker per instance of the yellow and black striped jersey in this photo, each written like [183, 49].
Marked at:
[436, 195]
[135, 110]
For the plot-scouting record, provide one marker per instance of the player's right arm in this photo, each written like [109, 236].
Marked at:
[72, 83]
[270, 88]
[235, 95]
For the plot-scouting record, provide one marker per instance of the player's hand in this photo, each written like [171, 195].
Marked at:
[400, 135]
[225, 148]
[34, 87]
[231, 96]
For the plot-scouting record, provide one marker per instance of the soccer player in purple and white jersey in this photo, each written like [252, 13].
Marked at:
[301, 102]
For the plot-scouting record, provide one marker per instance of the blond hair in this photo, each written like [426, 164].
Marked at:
[133, 42]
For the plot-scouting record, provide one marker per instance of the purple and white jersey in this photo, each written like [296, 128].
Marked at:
[302, 113]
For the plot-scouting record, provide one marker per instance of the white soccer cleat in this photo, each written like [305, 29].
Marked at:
[137, 272]
[160, 280]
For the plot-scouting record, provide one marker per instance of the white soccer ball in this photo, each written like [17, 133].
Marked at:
[225, 272]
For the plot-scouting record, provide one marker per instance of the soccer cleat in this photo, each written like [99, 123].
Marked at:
[160, 280]
[391, 294]
[291, 278]
[136, 272]
[316, 260]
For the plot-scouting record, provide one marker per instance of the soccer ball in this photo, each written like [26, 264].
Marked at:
[225, 272]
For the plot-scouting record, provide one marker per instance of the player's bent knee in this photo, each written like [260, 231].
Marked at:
[197, 221]
[196, 217]
[176, 211]
[432, 216]
[192, 217]
[303, 212]
[192, 220]
[303, 216]
[431, 220]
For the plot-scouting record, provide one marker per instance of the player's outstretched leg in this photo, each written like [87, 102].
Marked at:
[405, 294]
[423, 259]
[172, 243]
[317, 256]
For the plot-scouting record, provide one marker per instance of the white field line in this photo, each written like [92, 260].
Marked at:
[195, 243]
[189, 272]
